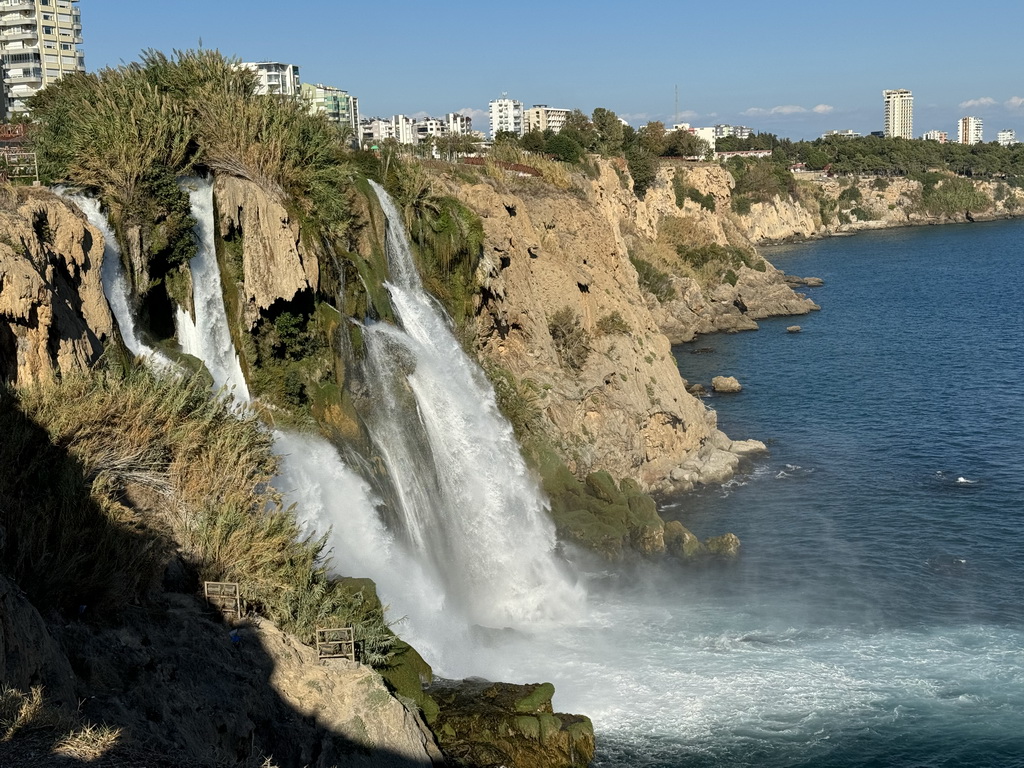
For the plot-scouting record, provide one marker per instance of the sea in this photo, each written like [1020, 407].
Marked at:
[875, 614]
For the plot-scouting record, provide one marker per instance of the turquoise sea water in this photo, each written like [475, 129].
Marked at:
[876, 614]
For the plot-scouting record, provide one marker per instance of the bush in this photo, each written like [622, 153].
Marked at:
[612, 323]
[741, 204]
[653, 280]
[851, 194]
[571, 340]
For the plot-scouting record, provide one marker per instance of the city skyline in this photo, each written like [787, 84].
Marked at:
[781, 70]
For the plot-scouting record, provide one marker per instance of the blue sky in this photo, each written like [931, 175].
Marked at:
[797, 68]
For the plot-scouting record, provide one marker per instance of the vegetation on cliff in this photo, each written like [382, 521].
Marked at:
[111, 477]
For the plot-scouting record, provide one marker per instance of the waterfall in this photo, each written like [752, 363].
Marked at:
[329, 497]
[469, 507]
[209, 337]
[115, 284]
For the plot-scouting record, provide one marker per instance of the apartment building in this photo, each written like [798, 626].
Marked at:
[541, 117]
[506, 115]
[275, 78]
[458, 124]
[969, 130]
[39, 43]
[739, 131]
[340, 106]
[846, 133]
[940, 136]
[899, 113]
[1006, 137]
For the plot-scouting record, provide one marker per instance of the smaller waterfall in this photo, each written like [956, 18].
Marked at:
[469, 506]
[115, 285]
[209, 337]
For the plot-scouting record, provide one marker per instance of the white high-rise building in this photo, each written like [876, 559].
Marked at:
[1007, 137]
[506, 115]
[39, 44]
[899, 113]
[275, 78]
[969, 130]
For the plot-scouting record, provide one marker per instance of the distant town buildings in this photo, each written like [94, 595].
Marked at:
[844, 134]
[410, 131]
[899, 113]
[940, 136]
[506, 115]
[39, 44]
[275, 78]
[739, 131]
[1006, 137]
[541, 117]
[339, 106]
[969, 130]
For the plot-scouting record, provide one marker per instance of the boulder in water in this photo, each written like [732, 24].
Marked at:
[726, 545]
[680, 541]
[726, 384]
[793, 329]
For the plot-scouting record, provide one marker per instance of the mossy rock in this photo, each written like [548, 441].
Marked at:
[582, 527]
[602, 486]
[407, 675]
[726, 545]
[680, 541]
[537, 700]
[484, 725]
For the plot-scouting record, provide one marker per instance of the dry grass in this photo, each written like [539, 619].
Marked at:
[78, 542]
[26, 716]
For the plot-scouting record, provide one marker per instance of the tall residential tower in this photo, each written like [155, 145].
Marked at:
[899, 114]
[39, 44]
[970, 130]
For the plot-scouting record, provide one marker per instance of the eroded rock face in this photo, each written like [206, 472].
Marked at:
[624, 407]
[276, 265]
[54, 318]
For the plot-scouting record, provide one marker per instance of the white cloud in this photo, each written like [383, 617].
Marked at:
[481, 117]
[420, 115]
[1015, 102]
[984, 101]
[784, 109]
[823, 109]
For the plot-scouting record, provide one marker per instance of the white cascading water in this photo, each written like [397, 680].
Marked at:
[328, 495]
[209, 337]
[470, 509]
[115, 284]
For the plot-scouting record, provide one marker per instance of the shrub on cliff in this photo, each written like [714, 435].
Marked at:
[571, 340]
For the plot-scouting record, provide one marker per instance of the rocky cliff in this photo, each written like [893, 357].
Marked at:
[562, 309]
[53, 316]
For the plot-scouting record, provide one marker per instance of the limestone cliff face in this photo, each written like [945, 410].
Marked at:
[53, 315]
[624, 408]
[275, 263]
[870, 202]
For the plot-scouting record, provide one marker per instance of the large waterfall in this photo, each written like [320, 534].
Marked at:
[475, 546]
[469, 508]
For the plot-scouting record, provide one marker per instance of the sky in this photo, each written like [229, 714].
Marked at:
[795, 68]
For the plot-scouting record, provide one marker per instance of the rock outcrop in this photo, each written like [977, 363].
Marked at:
[500, 725]
[54, 318]
[275, 263]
